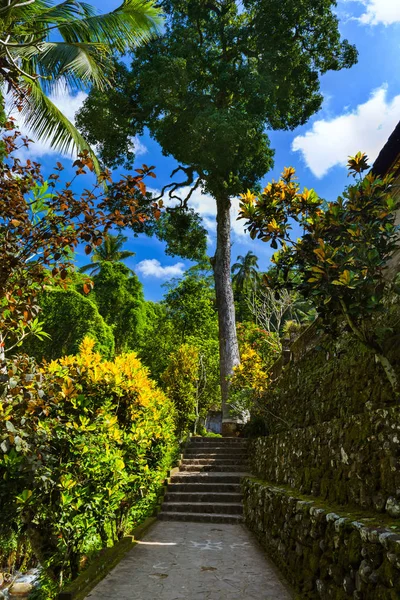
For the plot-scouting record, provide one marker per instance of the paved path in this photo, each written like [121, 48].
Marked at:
[193, 561]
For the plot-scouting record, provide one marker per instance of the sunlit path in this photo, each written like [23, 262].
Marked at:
[194, 561]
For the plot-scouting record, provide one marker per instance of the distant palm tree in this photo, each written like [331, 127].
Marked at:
[109, 251]
[245, 272]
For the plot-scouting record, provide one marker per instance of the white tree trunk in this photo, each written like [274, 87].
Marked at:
[2, 349]
[228, 344]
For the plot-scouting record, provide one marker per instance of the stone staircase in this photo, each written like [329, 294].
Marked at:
[207, 487]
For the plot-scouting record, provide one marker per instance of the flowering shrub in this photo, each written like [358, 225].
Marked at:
[84, 443]
[265, 343]
[248, 382]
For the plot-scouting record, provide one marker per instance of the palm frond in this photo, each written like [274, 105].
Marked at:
[126, 254]
[90, 267]
[48, 123]
[132, 23]
[64, 11]
[78, 64]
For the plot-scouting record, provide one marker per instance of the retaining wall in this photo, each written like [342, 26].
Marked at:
[324, 554]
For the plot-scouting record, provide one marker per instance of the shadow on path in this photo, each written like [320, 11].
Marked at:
[194, 561]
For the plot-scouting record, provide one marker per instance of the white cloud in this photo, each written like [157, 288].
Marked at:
[69, 104]
[139, 147]
[153, 268]
[329, 142]
[386, 12]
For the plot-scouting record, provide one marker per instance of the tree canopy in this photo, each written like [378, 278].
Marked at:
[234, 72]
[118, 294]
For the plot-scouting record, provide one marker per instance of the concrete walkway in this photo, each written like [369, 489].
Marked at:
[193, 561]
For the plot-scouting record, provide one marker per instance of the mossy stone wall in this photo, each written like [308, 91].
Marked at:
[324, 555]
[333, 447]
[327, 379]
[353, 461]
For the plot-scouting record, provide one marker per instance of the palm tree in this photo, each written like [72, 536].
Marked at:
[109, 251]
[245, 272]
[43, 45]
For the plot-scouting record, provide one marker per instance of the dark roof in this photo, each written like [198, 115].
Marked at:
[389, 153]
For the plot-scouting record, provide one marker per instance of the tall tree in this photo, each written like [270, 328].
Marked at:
[43, 44]
[109, 251]
[207, 89]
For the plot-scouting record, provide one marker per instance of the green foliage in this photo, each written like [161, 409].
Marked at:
[68, 317]
[340, 260]
[83, 446]
[245, 280]
[187, 316]
[118, 295]
[181, 380]
[191, 307]
[245, 272]
[191, 381]
[183, 231]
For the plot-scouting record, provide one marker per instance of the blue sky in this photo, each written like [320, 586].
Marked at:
[361, 108]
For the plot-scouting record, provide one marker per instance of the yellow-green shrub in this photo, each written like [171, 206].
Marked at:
[84, 446]
[249, 380]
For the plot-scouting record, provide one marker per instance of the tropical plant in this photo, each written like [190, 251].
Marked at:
[208, 89]
[187, 316]
[266, 343]
[340, 260]
[84, 447]
[109, 251]
[191, 308]
[44, 46]
[245, 274]
[41, 224]
[245, 280]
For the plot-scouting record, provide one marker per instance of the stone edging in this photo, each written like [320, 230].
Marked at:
[104, 563]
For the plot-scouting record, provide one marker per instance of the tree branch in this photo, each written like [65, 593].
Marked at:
[176, 185]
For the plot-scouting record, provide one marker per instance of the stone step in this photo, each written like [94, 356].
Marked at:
[208, 477]
[204, 488]
[212, 468]
[214, 461]
[218, 445]
[220, 440]
[199, 517]
[235, 508]
[220, 497]
[215, 452]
